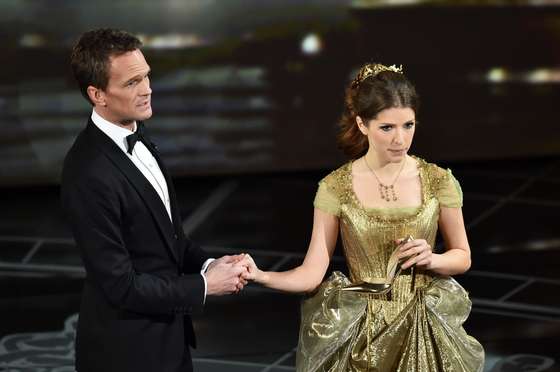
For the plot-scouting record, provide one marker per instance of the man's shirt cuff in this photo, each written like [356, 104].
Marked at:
[202, 272]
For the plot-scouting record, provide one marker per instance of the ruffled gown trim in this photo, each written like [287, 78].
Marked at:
[346, 331]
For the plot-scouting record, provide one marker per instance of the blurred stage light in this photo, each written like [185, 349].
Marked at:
[384, 3]
[531, 245]
[539, 76]
[542, 245]
[497, 75]
[32, 41]
[172, 41]
[311, 44]
[543, 2]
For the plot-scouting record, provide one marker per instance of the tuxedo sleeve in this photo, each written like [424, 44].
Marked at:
[194, 258]
[93, 209]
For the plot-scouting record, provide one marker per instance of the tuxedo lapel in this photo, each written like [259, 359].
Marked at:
[138, 182]
[175, 212]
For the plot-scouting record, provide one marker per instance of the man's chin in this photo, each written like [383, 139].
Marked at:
[145, 115]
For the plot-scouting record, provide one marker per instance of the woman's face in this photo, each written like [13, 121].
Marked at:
[390, 133]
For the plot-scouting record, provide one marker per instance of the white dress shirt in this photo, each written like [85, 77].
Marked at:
[143, 159]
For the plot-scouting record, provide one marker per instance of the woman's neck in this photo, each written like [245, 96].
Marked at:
[383, 167]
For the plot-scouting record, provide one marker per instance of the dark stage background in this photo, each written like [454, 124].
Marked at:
[257, 86]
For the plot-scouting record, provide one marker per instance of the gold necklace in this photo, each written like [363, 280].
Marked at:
[385, 189]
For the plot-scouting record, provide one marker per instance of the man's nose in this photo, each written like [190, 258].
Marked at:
[145, 87]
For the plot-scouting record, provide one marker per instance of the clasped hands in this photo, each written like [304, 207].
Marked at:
[227, 274]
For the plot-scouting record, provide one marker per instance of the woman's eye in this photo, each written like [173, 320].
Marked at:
[409, 125]
[385, 128]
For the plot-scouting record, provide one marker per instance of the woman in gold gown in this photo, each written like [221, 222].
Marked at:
[376, 200]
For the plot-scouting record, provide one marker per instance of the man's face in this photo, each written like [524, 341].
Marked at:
[128, 93]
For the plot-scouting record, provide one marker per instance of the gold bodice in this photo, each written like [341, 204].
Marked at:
[368, 234]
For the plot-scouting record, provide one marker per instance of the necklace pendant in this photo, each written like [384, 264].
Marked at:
[384, 189]
[384, 195]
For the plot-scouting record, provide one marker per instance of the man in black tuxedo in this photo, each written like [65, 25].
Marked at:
[144, 276]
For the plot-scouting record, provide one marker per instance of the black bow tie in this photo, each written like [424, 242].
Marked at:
[139, 135]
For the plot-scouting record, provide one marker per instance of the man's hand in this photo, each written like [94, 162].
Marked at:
[226, 275]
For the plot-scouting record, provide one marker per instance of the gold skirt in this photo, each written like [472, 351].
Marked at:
[346, 331]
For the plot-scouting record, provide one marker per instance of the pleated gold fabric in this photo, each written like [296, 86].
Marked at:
[418, 325]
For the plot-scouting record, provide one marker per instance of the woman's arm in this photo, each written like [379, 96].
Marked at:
[310, 273]
[457, 257]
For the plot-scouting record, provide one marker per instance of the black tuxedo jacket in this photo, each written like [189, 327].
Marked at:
[143, 274]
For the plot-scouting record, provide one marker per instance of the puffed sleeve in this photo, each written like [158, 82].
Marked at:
[449, 192]
[326, 199]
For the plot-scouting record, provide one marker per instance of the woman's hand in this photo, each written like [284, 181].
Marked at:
[253, 272]
[415, 252]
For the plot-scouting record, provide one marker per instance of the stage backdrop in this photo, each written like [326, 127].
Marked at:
[257, 86]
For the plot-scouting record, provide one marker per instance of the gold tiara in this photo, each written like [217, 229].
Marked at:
[372, 69]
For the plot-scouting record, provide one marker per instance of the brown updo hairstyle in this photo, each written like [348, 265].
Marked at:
[366, 98]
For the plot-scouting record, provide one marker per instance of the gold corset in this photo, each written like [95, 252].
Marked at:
[368, 234]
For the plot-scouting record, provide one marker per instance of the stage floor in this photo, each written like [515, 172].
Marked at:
[511, 210]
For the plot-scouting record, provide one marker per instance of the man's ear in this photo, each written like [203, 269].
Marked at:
[96, 95]
[361, 126]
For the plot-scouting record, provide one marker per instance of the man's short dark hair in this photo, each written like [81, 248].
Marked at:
[91, 55]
